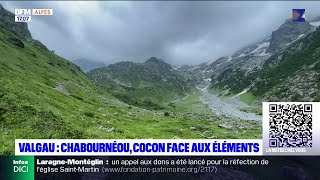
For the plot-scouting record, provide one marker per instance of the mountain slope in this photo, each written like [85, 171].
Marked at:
[19, 29]
[151, 84]
[42, 95]
[293, 73]
[289, 73]
[45, 96]
[288, 33]
[235, 73]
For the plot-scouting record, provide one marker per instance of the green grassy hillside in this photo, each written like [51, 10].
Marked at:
[45, 96]
[292, 74]
[281, 68]
[152, 84]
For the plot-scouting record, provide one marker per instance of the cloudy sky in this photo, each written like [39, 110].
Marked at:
[179, 32]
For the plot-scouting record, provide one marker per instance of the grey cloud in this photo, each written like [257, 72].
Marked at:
[179, 32]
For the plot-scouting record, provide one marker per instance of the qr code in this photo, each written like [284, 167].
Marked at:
[290, 125]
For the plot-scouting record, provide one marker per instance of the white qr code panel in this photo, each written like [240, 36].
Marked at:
[291, 127]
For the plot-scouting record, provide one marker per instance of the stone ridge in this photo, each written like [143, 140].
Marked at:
[20, 29]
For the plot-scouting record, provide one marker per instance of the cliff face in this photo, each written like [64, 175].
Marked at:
[287, 33]
[18, 28]
[7, 20]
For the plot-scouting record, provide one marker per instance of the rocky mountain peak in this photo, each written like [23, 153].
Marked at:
[288, 32]
[20, 29]
[7, 21]
[154, 62]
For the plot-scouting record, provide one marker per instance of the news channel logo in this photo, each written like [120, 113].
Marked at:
[17, 167]
[298, 15]
[24, 15]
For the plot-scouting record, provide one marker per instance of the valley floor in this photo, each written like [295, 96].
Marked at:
[230, 107]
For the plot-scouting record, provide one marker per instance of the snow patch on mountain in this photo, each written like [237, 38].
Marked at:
[261, 50]
[244, 91]
[295, 39]
[315, 23]
[229, 58]
[260, 46]
[263, 53]
[210, 62]
[242, 55]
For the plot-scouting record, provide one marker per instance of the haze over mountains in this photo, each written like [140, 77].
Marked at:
[262, 71]
[242, 70]
[88, 65]
[180, 33]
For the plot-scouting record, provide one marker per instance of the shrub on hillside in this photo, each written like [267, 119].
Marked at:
[89, 114]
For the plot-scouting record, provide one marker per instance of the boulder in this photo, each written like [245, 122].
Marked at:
[225, 126]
